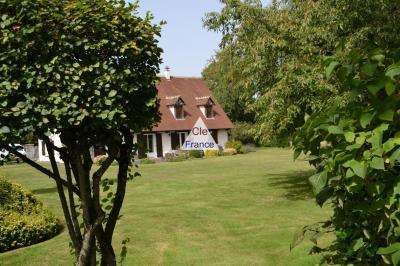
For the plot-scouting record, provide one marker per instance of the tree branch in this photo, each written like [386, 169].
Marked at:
[39, 167]
[63, 200]
[72, 202]
[96, 183]
[124, 162]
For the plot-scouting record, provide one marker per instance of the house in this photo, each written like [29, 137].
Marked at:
[182, 101]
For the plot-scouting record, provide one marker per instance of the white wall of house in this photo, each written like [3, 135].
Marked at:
[172, 109]
[203, 110]
[222, 137]
[166, 142]
[43, 154]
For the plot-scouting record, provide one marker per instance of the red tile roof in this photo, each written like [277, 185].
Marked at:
[172, 100]
[191, 91]
[204, 100]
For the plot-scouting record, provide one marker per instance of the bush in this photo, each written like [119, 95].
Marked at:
[99, 160]
[358, 173]
[243, 132]
[234, 144]
[195, 154]
[147, 161]
[211, 153]
[23, 219]
[229, 151]
[248, 148]
[176, 157]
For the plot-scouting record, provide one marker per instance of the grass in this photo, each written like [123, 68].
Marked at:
[235, 210]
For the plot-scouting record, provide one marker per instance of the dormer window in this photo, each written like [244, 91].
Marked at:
[209, 111]
[175, 104]
[179, 112]
[206, 105]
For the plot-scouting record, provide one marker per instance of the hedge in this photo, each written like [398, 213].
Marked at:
[23, 219]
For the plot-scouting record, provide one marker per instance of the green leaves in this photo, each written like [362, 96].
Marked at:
[349, 136]
[396, 258]
[66, 86]
[389, 250]
[112, 93]
[387, 115]
[369, 69]
[393, 71]
[362, 163]
[358, 167]
[366, 119]
[377, 163]
[4, 130]
[335, 130]
[331, 67]
[390, 144]
[390, 88]
[318, 181]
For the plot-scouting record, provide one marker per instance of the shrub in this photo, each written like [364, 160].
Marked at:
[248, 148]
[211, 153]
[98, 160]
[235, 144]
[243, 132]
[358, 172]
[229, 151]
[195, 154]
[23, 219]
[175, 157]
[147, 161]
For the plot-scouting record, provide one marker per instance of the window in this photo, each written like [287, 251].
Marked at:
[148, 143]
[209, 111]
[182, 138]
[179, 112]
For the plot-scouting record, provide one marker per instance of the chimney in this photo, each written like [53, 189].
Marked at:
[167, 73]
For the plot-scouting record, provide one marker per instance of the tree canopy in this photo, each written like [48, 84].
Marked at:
[271, 56]
[326, 73]
[87, 71]
[85, 64]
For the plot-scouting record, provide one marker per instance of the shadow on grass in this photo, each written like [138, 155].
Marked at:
[295, 184]
[45, 190]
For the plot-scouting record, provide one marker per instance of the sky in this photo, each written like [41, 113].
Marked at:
[187, 45]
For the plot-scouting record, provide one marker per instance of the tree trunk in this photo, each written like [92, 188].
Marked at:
[64, 204]
[78, 165]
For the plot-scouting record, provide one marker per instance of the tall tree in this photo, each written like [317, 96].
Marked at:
[277, 52]
[86, 70]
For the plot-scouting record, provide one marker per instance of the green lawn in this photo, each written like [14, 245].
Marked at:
[237, 210]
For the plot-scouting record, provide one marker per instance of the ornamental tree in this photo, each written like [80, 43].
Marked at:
[356, 148]
[86, 70]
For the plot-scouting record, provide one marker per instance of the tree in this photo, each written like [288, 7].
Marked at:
[85, 70]
[229, 89]
[277, 53]
[356, 147]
